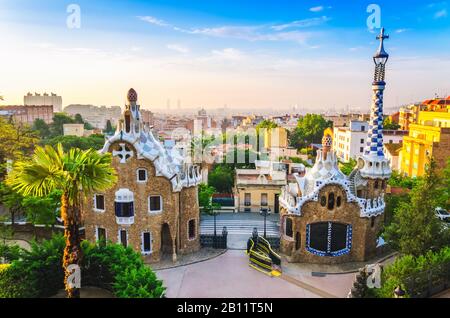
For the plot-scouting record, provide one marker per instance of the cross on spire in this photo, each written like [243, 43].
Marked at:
[382, 36]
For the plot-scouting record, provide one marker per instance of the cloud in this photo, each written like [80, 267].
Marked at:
[249, 32]
[440, 14]
[178, 48]
[153, 20]
[316, 9]
[301, 23]
[401, 30]
[230, 54]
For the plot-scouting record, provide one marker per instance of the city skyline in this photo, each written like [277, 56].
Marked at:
[314, 54]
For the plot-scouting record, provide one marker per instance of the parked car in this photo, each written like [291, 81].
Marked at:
[443, 215]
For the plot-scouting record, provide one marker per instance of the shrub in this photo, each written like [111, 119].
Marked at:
[412, 273]
[9, 253]
[39, 272]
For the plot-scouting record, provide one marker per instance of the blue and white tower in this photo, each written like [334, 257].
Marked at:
[373, 164]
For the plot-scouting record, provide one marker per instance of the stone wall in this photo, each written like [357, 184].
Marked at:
[144, 221]
[364, 236]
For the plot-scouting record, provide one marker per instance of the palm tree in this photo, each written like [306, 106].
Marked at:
[77, 174]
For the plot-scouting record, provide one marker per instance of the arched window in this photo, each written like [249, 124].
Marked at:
[330, 201]
[127, 122]
[323, 200]
[288, 231]
[338, 201]
[191, 230]
[297, 241]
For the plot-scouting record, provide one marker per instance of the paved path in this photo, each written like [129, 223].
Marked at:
[229, 276]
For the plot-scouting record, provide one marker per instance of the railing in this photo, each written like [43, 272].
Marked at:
[125, 220]
[218, 241]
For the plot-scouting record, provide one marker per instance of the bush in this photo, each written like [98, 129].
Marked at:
[9, 253]
[411, 273]
[39, 273]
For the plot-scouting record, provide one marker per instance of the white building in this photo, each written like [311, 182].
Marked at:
[44, 100]
[94, 115]
[349, 142]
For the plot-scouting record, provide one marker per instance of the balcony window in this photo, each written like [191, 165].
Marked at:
[124, 206]
[124, 209]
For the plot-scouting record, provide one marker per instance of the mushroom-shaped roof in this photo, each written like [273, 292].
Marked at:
[132, 96]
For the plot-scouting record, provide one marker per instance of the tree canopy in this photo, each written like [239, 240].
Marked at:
[415, 228]
[310, 129]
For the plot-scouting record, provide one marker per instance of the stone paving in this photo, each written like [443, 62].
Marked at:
[202, 255]
[229, 276]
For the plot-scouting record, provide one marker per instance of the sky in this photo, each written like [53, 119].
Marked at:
[244, 54]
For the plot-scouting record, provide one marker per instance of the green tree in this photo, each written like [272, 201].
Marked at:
[347, 167]
[59, 119]
[222, 178]
[16, 142]
[310, 129]
[415, 228]
[42, 210]
[83, 143]
[12, 200]
[205, 199]
[267, 124]
[77, 174]
[389, 125]
[42, 128]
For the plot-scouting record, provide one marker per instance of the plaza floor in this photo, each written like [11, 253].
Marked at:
[229, 276]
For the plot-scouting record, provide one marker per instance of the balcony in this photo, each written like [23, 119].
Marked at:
[125, 220]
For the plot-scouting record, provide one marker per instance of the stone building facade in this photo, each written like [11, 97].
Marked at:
[153, 207]
[328, 217]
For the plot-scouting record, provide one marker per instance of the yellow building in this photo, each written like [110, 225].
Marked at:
[428, 137]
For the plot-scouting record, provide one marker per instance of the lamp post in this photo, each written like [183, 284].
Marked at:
[265, 213]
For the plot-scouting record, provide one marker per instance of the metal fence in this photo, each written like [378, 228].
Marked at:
[218, 241]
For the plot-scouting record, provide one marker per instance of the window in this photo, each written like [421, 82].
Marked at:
[248, 199]
[363, 128]
[101, 236]
[376, 184]
[142, 175]
[288, 228]
[124, 209]
[297, 241]
[146, 243]
[323, 200]
[264, 199]
[155, 204]
[372, 222]
[362, 141]
[330, 201]
[361, 149]
[328, 238]
[123, 237]
[191, 230]
[99, 202]
[338, 201]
